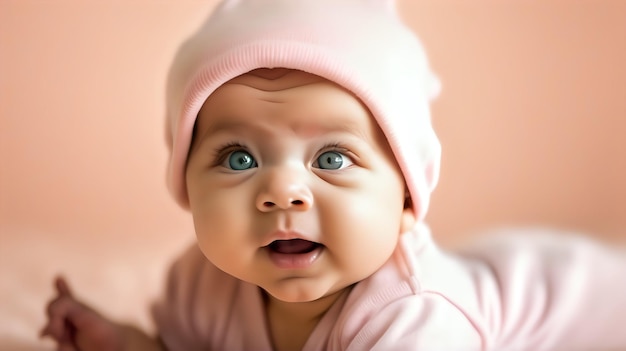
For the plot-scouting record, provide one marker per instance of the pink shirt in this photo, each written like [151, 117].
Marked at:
[513, 292]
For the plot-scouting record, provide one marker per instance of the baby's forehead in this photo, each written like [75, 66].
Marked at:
[300, 99]
[282, 85]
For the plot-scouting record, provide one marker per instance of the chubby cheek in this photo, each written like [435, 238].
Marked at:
[365, 229]
[220, 226]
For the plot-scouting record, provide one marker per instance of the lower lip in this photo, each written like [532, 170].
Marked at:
[295, 261]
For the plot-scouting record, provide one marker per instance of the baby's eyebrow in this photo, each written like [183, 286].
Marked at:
[225, 125]
[201, 134]
[345, 127]
[304, 128]
[222, 126]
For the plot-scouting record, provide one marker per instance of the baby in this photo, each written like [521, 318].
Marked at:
[301, 143]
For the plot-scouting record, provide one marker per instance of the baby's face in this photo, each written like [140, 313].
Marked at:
[292, 185]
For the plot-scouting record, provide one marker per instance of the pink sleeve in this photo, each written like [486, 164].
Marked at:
[428, 322]
[551, 292]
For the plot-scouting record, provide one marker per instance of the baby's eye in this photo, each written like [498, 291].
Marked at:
[332, 160]
[240, 160]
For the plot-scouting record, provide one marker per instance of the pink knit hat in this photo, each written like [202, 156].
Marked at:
[361, 45]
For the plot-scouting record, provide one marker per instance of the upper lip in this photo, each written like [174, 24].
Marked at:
[286, 235]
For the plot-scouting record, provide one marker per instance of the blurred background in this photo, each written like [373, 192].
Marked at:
[532, 118]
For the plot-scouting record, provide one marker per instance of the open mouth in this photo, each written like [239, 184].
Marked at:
[294, 253]
[293, 246]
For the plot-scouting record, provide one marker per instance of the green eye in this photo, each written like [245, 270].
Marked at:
[330, 160]
[241, 160]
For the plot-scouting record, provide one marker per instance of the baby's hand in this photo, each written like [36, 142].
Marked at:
[75, 326]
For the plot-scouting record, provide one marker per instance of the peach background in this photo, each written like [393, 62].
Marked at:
[532, 118]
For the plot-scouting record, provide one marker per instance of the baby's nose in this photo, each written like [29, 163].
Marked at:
[284, 189]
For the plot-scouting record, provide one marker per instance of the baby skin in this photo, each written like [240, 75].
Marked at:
[75, 326]
[298, 174]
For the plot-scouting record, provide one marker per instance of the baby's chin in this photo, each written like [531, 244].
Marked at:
[304, 293]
